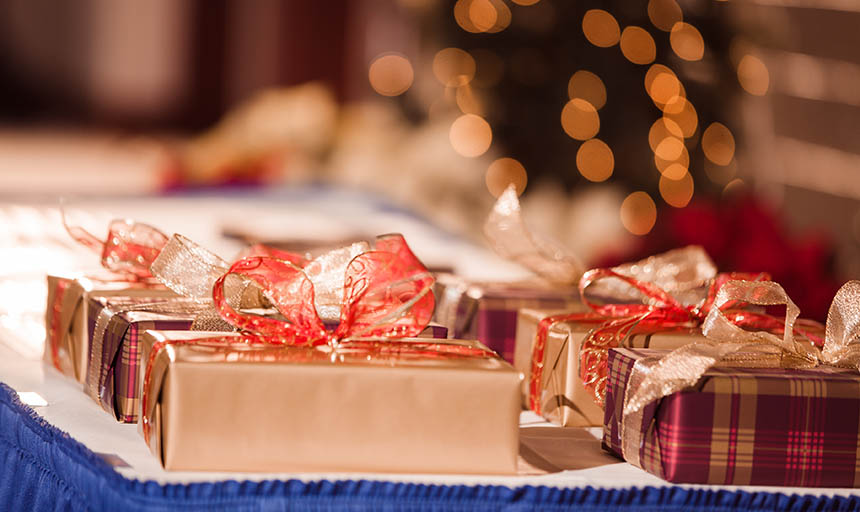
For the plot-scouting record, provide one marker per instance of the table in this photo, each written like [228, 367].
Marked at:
[65, 453]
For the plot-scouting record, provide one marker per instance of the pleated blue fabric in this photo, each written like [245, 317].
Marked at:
[42, 468]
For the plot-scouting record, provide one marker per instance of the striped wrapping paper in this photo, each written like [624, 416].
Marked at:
[745, 426]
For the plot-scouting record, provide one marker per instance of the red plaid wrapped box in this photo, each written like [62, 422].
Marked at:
[745, 426]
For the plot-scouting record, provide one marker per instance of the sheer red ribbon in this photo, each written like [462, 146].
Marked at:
[659, 312]
[129, 249]
[387, 294]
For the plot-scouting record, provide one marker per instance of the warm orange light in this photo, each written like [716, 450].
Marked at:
[753, 75]
[483, 15]
[600, 28]
[503, 16]
[579, 119]
[462, 15]
[661, 129]
[390, 75]
[594, 160]
[638, 46]
[502, 173]
[453, 67]
[664, 14]
[670, 149]
[674, 171]
[686, 41]
[677, 193]
[664, 87]
[470, 135]
[525, 2]
[682, 112]
[638, 213]
[588, 86]
[665, 165]
[718, 144]
[468, 102]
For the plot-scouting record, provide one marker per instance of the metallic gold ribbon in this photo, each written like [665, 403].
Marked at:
[511, 239]
[730, 345]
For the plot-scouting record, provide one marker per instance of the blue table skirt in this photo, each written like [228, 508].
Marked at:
[42, 468]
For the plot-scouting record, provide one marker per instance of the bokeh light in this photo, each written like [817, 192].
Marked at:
[677, 193]
[579, 119]
[471, 135]
[674, 171]
[680, 153]
[663, 86]
[718, 144]
[525, 2]
[483, 15]
[670, 149]
[502, 173]
[594, 160]
[687, 42]
[600, 28]
[468, 101]
[390, 74]
[588, 86]
[638, 213]
[661, 129]
[453, 67]
[683, 114]
[664, 14]
[753, 75]
[638, 46]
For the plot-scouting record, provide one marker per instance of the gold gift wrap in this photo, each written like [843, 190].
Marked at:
[564, 399]
[300, 409]
[67, 338]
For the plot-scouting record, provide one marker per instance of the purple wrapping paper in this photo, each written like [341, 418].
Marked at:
[746, 426]
[488, 311]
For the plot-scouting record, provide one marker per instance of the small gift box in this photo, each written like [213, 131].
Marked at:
[400, 407]
[744, 407]
[291, 394]
[563, 398]
[126, 254]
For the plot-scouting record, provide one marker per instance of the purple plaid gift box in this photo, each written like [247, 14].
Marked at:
[746, 426]
[488, 311]
[114, 362]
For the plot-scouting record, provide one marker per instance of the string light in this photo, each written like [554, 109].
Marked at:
[753, 75]
[718, 144]
[661, 129]
[664, 14]
[663, 164]
[588, 86]
[677, 193]
[390, 74]
[594, 160]
[638, 213]
[482, 14]
[453, 67]
[687, 42]
[638, 46]
[683, 114]
[502, 173]
[470, 135]
[662, 85]
[600, 28]
[579, 119]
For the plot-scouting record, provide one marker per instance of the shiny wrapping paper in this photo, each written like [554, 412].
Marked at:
[67, 341]
[746, 426]
[300, 409]
[564, 399]
[488, 311]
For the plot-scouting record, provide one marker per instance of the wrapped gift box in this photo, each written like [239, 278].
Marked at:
[488, 311]
[564, 399]
[300, 409]
[67, 342]
[746, 426]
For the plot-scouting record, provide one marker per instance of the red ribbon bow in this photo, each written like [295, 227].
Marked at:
[129, 249]
[659, 312]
